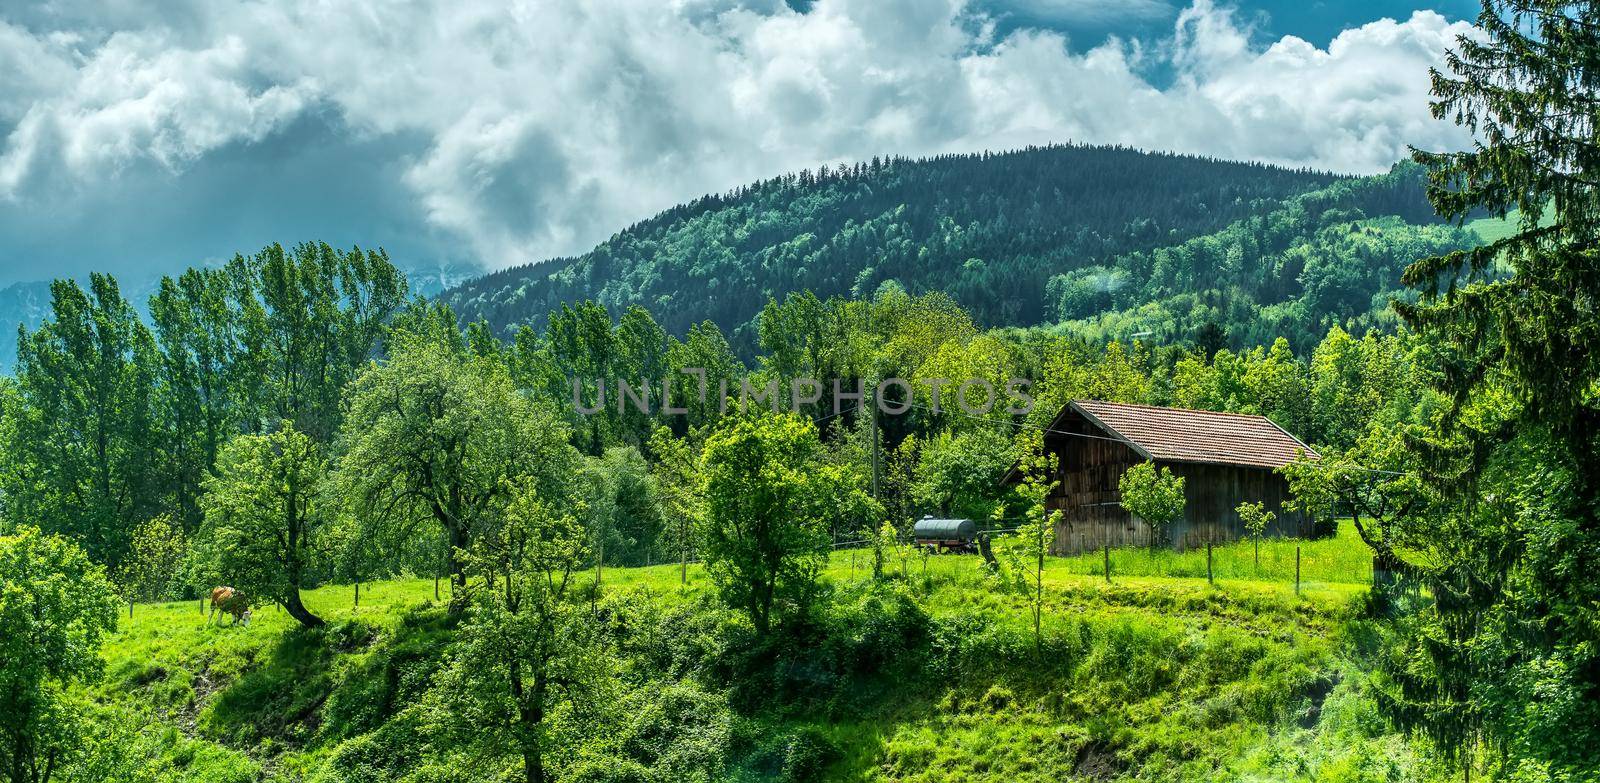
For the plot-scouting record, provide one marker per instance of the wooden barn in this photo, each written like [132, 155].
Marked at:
[1225, 459]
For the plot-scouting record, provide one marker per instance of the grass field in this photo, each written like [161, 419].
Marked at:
[1158, 675]
[1492, 229]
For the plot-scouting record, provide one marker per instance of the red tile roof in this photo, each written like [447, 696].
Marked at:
[1180, 435]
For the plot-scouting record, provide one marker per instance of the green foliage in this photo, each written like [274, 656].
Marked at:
[884, 540]
[526, 649]
[676, 493]
[82, 457]
[767, 502]
[959, 474]
[1025, 553]
[1375, 481]
[1506, 534]
[1256, 519]
[1153, 495]
[434, 439]
[1323, 259]
[116, 422]
[55, 608]
[154, 569]
[625, 515]
[266, 513]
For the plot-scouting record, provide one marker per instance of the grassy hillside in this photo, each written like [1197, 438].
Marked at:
[931, 675]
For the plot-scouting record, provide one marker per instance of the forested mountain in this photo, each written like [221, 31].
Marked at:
[1330, 257]
[989, 229]
[1018, 238]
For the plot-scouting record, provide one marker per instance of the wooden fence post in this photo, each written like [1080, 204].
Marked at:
[358, 593]
[1108, 562]
[1210, 579]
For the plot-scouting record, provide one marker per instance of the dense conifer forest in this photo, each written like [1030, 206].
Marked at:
[1018, 239]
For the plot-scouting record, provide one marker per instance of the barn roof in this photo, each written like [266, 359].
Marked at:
[1181, 435]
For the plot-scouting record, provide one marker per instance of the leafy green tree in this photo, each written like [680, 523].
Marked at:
[153, 570]
[624, 520]
[1256, 519]
[1506, 652]
[642, 361]
[83, 458]
[885, 542]
[676, 487]
[700, 366]
[433, 440]
[1153, 495]
[768, 495]
[55, 608]
[200, 399]
[582, 350]
[267, 508]
[311, 317]
[960, 474]
[1375, 482]
[1026, 551]
[526, 648]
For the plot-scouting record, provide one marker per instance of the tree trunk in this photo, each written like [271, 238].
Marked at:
[763, 607]
[530, 713]
[458, 570]
[299, 612]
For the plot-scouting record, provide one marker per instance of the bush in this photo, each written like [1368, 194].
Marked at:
[807, 755]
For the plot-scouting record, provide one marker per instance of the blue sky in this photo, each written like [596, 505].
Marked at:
[143, 137]
[1317, 21]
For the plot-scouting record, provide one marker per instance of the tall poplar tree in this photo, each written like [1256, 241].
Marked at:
[81, 460]
[312, 317]
[201, 395]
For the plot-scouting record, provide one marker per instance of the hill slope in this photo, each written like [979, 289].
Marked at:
[990, 229]
[930, 676]
[933, 675]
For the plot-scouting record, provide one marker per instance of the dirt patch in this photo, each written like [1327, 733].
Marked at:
[1097, 761]
[1317, 692]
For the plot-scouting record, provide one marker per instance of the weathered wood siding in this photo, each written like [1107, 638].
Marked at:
[1092, 516]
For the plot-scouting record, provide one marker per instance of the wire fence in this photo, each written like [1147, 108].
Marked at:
[1338, 563]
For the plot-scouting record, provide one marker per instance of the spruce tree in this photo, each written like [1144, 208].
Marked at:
[1506, 653]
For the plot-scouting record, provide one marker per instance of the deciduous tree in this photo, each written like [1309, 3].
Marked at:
[1153, 495]
[55, 608]
[526, 647]
[768, 496]
[266, 508]
[1256, 519]
[434, 439]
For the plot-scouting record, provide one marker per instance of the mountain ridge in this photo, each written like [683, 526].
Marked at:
[989, 228]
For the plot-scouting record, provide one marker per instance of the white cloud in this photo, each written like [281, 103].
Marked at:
[537, 129]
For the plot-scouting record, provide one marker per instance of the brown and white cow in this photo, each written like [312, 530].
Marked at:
[231, 601]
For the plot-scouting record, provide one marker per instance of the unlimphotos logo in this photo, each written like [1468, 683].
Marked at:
[892, 396]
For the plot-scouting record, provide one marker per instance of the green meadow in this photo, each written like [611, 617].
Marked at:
[931, 673]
